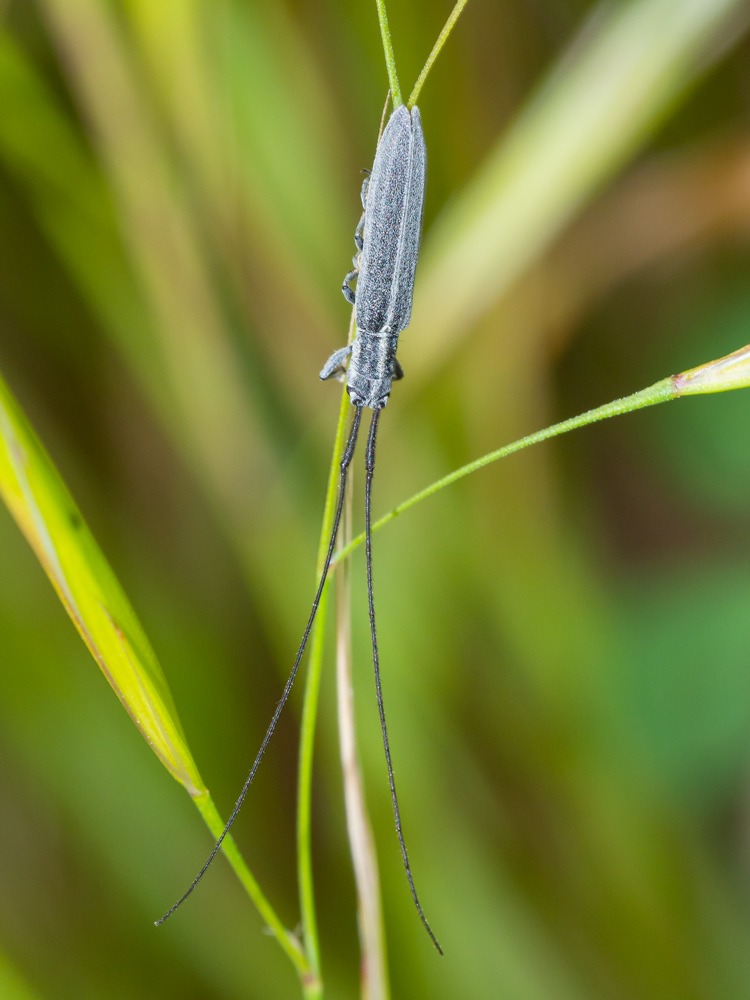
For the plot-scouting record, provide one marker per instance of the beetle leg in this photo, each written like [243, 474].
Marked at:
[361, 224]
[398, 371]
[335, 364]
[346, 287]
[359, 241]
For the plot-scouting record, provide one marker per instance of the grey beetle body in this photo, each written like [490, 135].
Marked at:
[388, 240]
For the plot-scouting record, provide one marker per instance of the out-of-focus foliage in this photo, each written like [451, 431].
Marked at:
[565, 636]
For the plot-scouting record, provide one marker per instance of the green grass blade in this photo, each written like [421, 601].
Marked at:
[48, 516]
[441, 40]
[310, 712]
[660, 392]
[390, 59]
[288, 941]
[722, 375]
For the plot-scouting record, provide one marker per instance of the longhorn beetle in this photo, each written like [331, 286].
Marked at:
[387, 240]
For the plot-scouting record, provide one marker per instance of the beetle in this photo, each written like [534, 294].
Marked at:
[387, 239]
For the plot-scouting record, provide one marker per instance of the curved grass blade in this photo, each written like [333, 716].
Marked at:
[660, 392]
[390, 59]
[48, 516]
[722, 375]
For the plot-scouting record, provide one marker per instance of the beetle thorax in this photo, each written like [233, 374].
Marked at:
[371, 368]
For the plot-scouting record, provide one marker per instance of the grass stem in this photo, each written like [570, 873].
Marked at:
[660, 392]
[441, 40]
[390, 59]
[286, 939]
[309, 719]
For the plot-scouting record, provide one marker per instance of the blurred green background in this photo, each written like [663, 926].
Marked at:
[565, 636]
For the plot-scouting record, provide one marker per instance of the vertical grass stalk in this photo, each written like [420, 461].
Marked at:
[308, 725]
[390, 59]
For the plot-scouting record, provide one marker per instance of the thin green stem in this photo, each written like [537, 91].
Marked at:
[205, 805]
[660, 392]
[390, 59]
[308, 725]
[304, 798]
[333, 479]
[441, 40]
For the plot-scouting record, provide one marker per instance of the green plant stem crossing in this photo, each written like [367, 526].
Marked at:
[660, 392]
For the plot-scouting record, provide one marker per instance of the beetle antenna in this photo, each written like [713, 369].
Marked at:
[346, 459]
[370, 468]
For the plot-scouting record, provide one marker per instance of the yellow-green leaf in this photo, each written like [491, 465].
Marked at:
[49, 518]
[52, 523]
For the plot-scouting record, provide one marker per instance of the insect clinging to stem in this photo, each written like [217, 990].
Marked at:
[387, 239]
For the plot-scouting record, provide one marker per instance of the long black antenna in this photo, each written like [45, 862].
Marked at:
[370, 468]
[346, 459]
